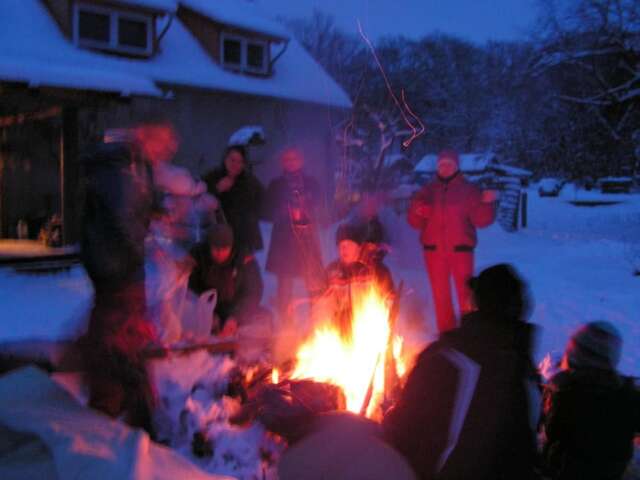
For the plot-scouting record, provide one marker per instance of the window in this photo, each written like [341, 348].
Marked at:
[94, 26]
[256, 56]
[104, 28]
[244, 55]
[232, 52]
[132, 33]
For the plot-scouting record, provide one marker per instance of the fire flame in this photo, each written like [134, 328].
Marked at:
[354, 362]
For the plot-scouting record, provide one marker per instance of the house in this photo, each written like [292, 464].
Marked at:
[70, 68]
[482, 168]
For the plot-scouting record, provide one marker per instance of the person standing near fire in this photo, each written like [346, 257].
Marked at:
[119, 196]
[294, 205]
[447, 211]
[241, 196]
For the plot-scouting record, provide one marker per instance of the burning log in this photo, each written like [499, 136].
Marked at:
[288, 409]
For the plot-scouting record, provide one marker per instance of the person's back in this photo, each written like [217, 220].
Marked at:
[591, 412]
[469, 407]
[119, 194]
[118, 199]
[475, 417]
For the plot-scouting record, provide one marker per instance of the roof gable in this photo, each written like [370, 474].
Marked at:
[469, 162]
[45, 57]
[238, 14]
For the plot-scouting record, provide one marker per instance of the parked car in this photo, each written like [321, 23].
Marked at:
[549, 187]
[615, 184]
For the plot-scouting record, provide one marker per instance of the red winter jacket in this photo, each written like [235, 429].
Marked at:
[455, 210]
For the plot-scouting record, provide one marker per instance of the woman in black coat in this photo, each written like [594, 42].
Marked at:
[241, 196]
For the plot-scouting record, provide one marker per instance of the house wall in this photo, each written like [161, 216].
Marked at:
[29, 175]
[206, 120]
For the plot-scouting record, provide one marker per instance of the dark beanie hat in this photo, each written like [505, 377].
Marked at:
[595, 345]
[221, 236]
[348, 231]
[500, 290]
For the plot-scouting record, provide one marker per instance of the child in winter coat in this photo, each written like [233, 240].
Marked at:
[374, 239]
[347, 276]
[591, 412]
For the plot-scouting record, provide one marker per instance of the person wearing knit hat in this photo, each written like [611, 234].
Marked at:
[345, 276]
[447, 211]
[591, 412]
[234, 275]
[594, 345]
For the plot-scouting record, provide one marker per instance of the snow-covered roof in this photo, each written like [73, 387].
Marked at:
[393, 158]
[160, 5]
[511, 170]
[247, 135]
[33, 50]
[239, 14]
[469, 162]
[616, 179]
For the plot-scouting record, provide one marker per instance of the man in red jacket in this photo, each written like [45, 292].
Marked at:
[447, 212]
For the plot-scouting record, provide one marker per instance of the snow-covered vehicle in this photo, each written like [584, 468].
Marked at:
[615, 184]
[549, 187]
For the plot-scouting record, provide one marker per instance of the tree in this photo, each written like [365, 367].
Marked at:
[591, 48]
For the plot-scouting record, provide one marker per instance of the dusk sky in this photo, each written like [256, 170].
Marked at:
[476, 20]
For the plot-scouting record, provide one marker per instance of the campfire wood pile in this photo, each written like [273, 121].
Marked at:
[288, 407]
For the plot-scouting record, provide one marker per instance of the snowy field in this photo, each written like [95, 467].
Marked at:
[579, 262]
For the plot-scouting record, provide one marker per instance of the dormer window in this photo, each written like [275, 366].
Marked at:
[104, 28]
[244, 55]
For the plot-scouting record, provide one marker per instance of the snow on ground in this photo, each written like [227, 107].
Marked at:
[578, 260]
[43, 307]
[194, 413]
[579, 263]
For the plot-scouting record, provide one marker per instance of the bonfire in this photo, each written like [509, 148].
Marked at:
[365, 361]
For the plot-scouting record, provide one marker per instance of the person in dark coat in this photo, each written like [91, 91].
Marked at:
[118, 203]
[447, 211]
[347, 276]
[470, 406]
[234, 275]
[241, 196]
[294, 205]
[591, 412]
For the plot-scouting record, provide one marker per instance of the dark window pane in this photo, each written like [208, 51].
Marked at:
[132, 33]
[93, 26]
[232, 52]
[255, 55]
